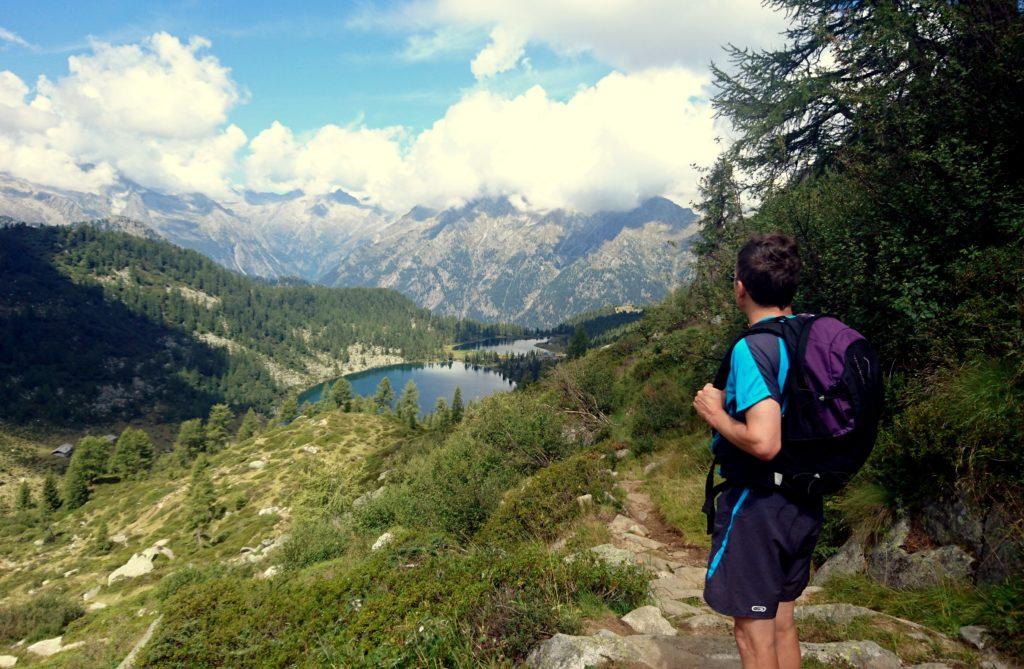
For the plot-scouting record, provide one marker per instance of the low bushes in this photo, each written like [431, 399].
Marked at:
[417, 603]
[41, 617]
[542, 505]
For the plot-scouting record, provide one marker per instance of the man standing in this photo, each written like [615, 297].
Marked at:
[762, 540]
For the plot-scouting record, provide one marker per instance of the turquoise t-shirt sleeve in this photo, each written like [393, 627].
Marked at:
[749, 386]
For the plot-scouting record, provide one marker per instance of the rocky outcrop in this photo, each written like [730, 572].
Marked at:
[563, 651]
[988, 532]
[849, 560]
[648, 620]
[857, 654]
[892, 565]
[141, 563]
[48, 647]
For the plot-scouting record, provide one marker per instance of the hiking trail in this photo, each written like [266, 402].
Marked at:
[678, 630]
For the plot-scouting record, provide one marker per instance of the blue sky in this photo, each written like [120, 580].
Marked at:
[560, 103]
[307, 66]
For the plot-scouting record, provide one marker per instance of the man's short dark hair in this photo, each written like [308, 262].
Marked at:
[769, 267]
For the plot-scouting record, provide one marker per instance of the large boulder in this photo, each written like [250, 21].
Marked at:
[849, 560]
[657, 651]
[988, 531]
[48, 647]
[648, 620]
[856, 654]
[892, 565]
[613, 555]
[7, 661]
[141, 563]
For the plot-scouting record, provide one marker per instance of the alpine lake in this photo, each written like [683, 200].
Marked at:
[435, 379]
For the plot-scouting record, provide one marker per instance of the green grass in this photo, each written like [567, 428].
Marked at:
[944, 608]
[420, 602]
[677, 485]
[40, 617]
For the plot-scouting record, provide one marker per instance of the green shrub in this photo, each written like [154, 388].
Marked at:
[542, 505]
[522, 427]
[172, 583]
[661, 405]
[417, 603]
[962, 426]
[41, 617]
[314, 539]
[456, 487]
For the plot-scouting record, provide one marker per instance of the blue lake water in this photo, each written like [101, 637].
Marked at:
[504, 346]
[432, 379]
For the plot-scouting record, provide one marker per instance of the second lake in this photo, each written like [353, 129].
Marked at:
[432, 379]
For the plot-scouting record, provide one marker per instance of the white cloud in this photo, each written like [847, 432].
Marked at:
[361, 160]
[154, 112]
[610, 146]
[13, 38]
[501, 55]
[444, 41]
[628, 34]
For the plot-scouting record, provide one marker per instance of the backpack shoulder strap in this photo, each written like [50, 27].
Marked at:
[776, 326]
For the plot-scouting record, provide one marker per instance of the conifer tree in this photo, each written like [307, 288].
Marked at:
[250, 425]
[51, 494]
[341, 394]
[217, 424]
[24, 497]
[101, 542]
[384, 396]
[440, 417]
[92, 455]
[409, 404]
[133, 453]
[76, 485]
[578, 344]
[289, 411]
[202, 507]
[457, 408]
[191, 440]
[719, 206]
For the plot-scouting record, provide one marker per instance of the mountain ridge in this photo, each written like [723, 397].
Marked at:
[336, 239]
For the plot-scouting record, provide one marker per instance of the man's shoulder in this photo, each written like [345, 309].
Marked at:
[763, 347]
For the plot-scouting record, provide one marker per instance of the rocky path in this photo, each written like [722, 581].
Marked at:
[678, 630]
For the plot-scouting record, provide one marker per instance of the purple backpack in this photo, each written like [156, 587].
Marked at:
[832, 405]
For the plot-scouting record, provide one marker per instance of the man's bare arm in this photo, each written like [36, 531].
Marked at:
[760, 436]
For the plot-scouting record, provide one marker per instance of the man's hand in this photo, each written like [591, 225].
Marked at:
[710, 404]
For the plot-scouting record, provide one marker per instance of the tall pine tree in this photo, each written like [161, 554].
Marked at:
[51, 494]
[457, 408]
[217, 424]
[341, 394]
[409, 404]
[133, 454]
[384, 396]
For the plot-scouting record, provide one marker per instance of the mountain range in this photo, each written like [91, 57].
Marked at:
[487, 259]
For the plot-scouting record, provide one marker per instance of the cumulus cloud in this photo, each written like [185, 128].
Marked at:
[154, 112]
[361, 160]
[610, 146]
[628, 34]
[501, 55]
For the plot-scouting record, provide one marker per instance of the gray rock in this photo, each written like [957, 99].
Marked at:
[840, 613]
[648, 620]
[895, 567]
[645, 543]
[849, 560]
[48, 647]
[651, 650]
[1002, 555]
[257, 464]
[621, 453]
[676, 609]
[8, 661]
[382, 541]
[856, 654]
[585, 500]
[367, 497]
[954, 522]
[708, 622]
[623, 524]
[612, 555]
[975, 635]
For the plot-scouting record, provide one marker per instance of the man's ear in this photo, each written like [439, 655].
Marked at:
[741, 290]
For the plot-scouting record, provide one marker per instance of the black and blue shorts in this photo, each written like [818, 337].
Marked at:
[761, 550]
